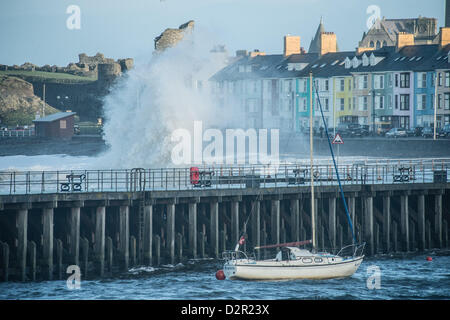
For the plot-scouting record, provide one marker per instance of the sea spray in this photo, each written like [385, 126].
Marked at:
[155, 98]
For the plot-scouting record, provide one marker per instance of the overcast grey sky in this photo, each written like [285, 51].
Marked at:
[36, 31]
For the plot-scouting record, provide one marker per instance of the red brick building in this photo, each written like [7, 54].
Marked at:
[57, 125]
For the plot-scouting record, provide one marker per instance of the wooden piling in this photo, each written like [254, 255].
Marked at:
[32, 259]
[394, 236]
[234, 222]
[295, 219]
[214, 220]
[445, 234]
[193, 229]
[148, 234]
[109, 253]
[171, 232]
[74, 234]
[99, 245]
[124, 236]
[179, 247]
[157, 242]
[275, 221]
[428, 232]
[84, 243]
[201, 238]
[404, 222]
[256, 225]
[47, 266]
[421, 221]
[5, 261]
[59, 256]
[133, 251]
[368, 224]
[438, 220]
[332, 221]
[387, 223]
[22, 227]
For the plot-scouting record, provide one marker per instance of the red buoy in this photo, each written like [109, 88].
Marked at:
[220, 275]
[429, 259]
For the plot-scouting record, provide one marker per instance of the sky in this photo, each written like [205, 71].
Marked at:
[37, 31]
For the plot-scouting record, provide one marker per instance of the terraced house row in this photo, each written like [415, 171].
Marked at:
[392, 86]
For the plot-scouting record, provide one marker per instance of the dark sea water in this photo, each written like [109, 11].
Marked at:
[401, 277]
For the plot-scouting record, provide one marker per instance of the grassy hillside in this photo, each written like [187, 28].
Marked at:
[50, 77]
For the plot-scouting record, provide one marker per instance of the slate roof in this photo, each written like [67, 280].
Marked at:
[55, 116]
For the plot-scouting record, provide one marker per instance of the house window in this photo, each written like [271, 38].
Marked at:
[440, 79]
[447, 79]
[390, 79]
[389, 101]
[439, 97]
[422, 80]
[396, 101]
[349, 103]
[342, 100]
[365, 81]
[349, 85]
[62, 124]
[354, 103]
[379, 82]
[404, 102]
[421, 101]
[326, 85]
[404, 122]
[379, 102]
[342, 84]
[396, 80]
[447, 101]
[404, 80]
[327, 106]
[363, 103]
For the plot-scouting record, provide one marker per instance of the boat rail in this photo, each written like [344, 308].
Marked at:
[355, 250]
[236, 255]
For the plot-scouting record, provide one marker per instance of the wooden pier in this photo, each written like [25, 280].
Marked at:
[151, 222]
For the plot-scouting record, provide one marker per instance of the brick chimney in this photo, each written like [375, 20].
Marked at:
[291, 45]
[328, 42]
[256, 53]
[404, 39]
[447, 13]
[444, 37]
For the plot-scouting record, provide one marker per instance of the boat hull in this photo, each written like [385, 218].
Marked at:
[271, 270]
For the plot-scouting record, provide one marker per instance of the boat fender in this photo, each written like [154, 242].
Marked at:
[220, 275]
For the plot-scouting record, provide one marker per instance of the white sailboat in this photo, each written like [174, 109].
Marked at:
[291, 262]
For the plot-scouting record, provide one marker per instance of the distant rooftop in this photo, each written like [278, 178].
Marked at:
[55, 116]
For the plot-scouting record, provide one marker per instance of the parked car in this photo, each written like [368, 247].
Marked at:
[396, 133]
[446, 130]
[417, 131]
[344, 129]
[428, 132]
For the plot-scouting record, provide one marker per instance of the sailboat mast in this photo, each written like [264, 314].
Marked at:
[313, 221]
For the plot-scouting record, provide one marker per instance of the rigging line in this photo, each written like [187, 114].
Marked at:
[251, 212]
[335, 166]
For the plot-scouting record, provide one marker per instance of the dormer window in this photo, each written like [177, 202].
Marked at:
[355, 62]
[347, 63]
[372, 60]
[365, 60]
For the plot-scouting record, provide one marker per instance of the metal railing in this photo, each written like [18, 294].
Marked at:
[224, 177]
[17, 133]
